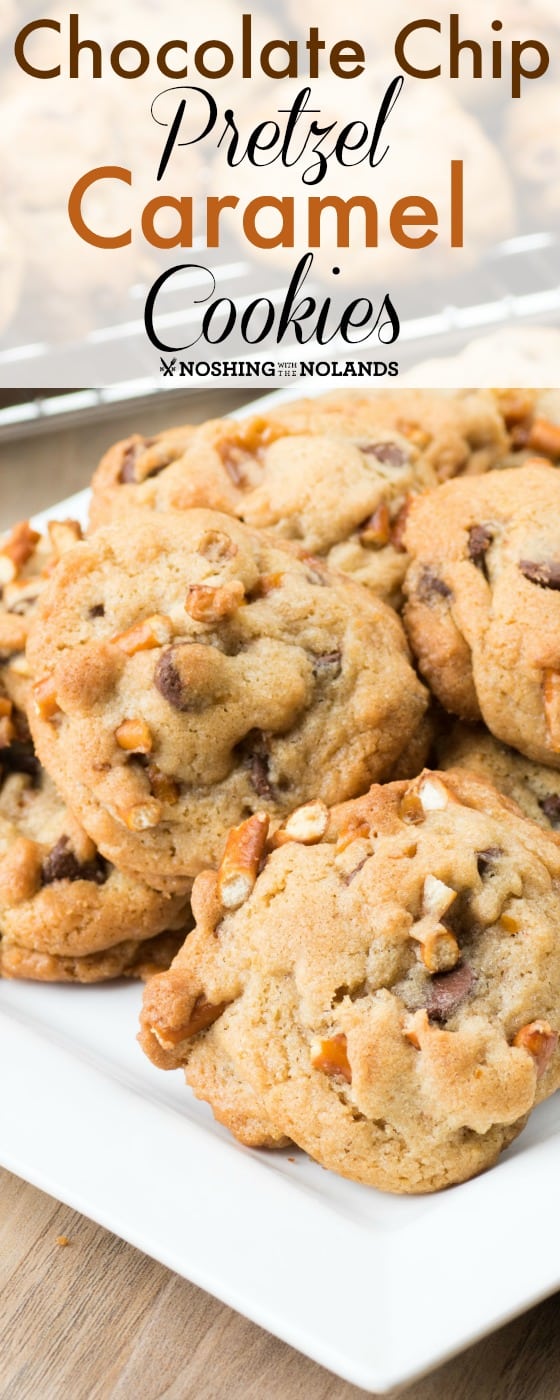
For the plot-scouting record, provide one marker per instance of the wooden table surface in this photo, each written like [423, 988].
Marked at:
[96, 1320]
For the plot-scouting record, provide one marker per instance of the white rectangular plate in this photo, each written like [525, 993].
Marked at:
[377, 1288]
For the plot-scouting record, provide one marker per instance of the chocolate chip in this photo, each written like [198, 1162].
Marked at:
[545, 575]
[430, 586]
[486, 860]
[447, 991]
[62, 864]
[550, 806]
[97, 611]
[19, 757]
[168, 681]
[387, 452]
[327, 664]
[480, 539]
[254, 752]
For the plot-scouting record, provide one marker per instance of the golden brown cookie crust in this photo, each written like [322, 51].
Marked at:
[535, 787]
[483, 609]
[190, 671]
[334, 473]
[387, 990]
[127, 959]
[59, 899]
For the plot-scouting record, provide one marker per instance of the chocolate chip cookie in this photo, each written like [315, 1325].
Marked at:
[65, 912]
[483, 610]
[339, 494]
[456, 431]
[335, 473]
[127, 473]
[190, 671]
[535, 788]
[27, 559]
[379, 984]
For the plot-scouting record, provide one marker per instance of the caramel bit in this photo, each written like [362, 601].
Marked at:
[330, 1057]
[355, 830]
[410, 807]
[7, 727]
[208, 604]
[154, 631]
[539, 1039]
[412, 1026]
[543, 436]
[307, 825]
[134, 735]
[163, 787]
[44, 695]
[247, 439]
[63, 535]
[63, 1241]
[203, 1015]
[266, 584]
[245, 847]
[143, 815]
[551, 695]
[16, 550]
[509, 923]
[414, 433]
[376, 531]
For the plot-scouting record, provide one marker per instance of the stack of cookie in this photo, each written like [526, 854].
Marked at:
[214, 678]
[66, 912]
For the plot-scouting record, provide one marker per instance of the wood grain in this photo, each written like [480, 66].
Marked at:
[99, 1321]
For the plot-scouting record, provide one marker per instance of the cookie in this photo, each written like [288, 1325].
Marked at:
[335, 473]
[536, 789]
[483, 610]
[338, 494]
[128, 959]
[62, 906]
[27, 559]
[456, 432]
[189, 671]
[128, 471]
[400, 1022]
[532, 416]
